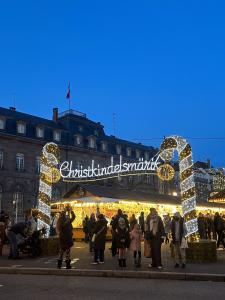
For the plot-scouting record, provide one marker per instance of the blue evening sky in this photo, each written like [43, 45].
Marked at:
[158, 65]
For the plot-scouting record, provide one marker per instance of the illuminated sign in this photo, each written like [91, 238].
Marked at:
[94, 171]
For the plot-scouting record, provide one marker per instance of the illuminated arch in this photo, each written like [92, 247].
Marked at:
[187, 182]
[49, 174]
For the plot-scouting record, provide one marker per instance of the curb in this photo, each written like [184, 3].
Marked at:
[116, 274]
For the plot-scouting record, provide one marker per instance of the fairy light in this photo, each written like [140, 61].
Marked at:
[187, 182]
[49, 174]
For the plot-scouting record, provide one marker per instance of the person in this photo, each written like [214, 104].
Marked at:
[132, 221]
[167, 225]
[178, 236]
[53, 224]
[141, 220]
[85, 229]
[99, 239]
[2, 230]
[201, 226]
[114, 225]
[156, 235]
[91, 225]
[219, 227]
[135, 244]
[122, 241]
[18, 229]
[31, 220]
[65, 232]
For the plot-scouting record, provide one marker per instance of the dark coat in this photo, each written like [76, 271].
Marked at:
[181, 227]
[122, 238]
[66, 231]
[114, 222]
[100, 230]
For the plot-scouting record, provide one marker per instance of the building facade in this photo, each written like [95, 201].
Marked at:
[81, 140]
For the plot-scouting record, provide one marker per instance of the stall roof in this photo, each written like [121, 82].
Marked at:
[117, 193]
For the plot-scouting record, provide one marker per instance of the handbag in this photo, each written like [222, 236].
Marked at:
[93, 238]
[184, 243]
[96, 234]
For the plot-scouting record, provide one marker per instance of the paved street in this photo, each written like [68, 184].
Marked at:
[40, 287]
[81, 259]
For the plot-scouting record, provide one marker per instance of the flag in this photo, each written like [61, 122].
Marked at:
[68, 92]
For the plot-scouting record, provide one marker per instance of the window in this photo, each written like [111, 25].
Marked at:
[18, 203]
[1, 159]
[56, 135]
[78, 139]
[39, 132]
[2, 124]
[91, 142]
[128, 151]
[80, 128]
[37, 164]
[21, 128]
[96, 132]
[146, 155]
[19, 162]
[138, 153]
[104, 146]
[118, 149]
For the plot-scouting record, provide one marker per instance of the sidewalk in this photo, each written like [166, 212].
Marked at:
[81, 262]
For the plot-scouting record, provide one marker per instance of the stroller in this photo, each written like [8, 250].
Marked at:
[31, 245]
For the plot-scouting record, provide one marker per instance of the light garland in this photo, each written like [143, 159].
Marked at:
[48, 174]
[187, 182]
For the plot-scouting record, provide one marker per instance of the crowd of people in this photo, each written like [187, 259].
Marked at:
[126, 233]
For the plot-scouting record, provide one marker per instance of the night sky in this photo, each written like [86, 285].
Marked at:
[158, 65]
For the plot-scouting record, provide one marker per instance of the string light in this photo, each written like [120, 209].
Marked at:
[187, 182]
[48, 174]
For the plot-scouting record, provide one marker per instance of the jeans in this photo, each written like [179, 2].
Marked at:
[99, 255]
[13, 244]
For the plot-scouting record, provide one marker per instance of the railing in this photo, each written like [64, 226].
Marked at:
[72, 112]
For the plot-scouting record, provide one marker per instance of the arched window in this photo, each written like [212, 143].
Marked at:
[1, 194]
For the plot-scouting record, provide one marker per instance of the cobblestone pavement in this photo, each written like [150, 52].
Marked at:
[81, 259]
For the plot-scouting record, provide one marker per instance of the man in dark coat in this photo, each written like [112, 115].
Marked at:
[219, 227]
[91, 227]
[65, 230]
[142, 222]
[156, 235]
[99, 232]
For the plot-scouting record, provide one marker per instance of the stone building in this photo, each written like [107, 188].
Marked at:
[22, 137]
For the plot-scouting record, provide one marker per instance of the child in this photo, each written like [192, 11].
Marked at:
[135, 245]
[122, 241]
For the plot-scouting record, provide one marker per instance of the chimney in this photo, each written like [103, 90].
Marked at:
[55, 115]
[12, 108]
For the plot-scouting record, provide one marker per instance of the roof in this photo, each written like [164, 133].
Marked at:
[119, 193]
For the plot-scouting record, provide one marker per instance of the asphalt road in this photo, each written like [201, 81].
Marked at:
[25, 287]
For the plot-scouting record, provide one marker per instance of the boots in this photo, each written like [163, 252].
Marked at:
[59, 266]
[68, 266]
